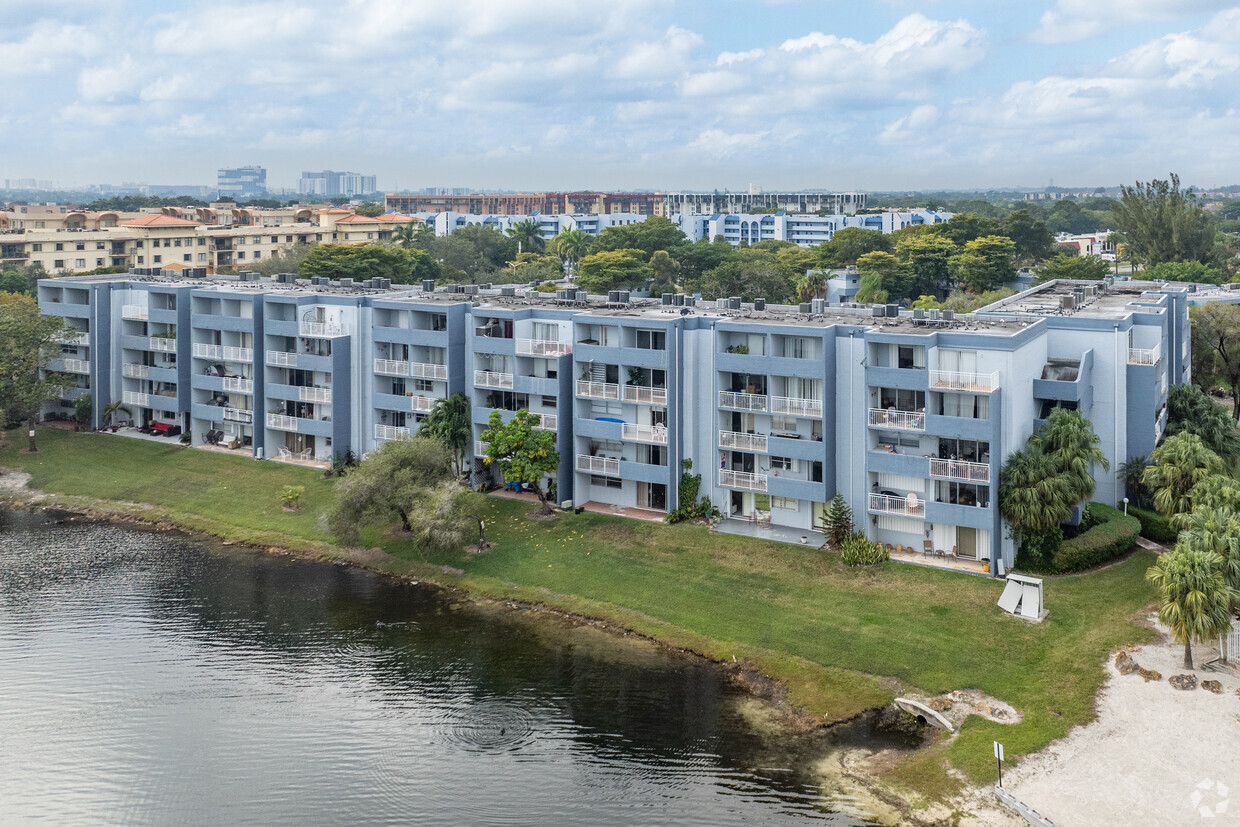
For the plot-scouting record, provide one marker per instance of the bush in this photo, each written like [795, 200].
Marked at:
[290, 495]
[1154, 526]
[1037, 551]
[1112, 535]
[856, 550]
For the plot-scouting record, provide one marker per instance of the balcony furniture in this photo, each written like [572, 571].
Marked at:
[927, 548]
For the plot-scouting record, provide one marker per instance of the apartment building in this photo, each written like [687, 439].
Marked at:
[641, 203]
[908, 414]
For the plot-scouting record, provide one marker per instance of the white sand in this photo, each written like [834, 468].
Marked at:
[1155, 755]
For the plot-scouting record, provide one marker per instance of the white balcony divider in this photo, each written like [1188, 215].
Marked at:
[795, 406]
[492, 379]
[77, 366]
[426, 370]
[643, 395]
[741, 480]
[134, 312]
[541, 347]
[322, 395]
[754, 443]
[389, 432]
[280, 359]
[949, 380]
[133, 371]
[206, 351]
[605, 466]
[163, 345]
[238, 354]
[391, 367]
[422, 404]
[733, 401]
[238, 415]
[547, 422]
[899, 420]
[951, 469]
[480, 448]
[653, 434]
[280, 422]
[597, 390]
[235, 385]
[910, 506]
[321, 330]
[142, 400]
[1142, 356]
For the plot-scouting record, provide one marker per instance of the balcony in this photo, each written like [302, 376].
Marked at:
[422, 404]
[280, 359]
[480, 448]
[280, 422]
[321, 330]
[605, 466]
[134, 312]
[204, 351]
[898, 420]
[239, 415]
[142, 400]
[163, 344]
[1140, 356]
[391, 367]
[135, 371]
[736, 441]
[77, 366]
[951, 469]
[741, 480]
[547, 422]
[643, 395]
[733, 401]
[77, 339]
[235, 385]
[389, 432]
[651, 434]
[540, 347]
[910, 506]
[238, 354]
[320, 395]
[491, 379]
[425, 370]
[947, 380]
[793, 406]
[597, 390]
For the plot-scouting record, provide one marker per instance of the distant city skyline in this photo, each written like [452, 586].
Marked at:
[684, 96]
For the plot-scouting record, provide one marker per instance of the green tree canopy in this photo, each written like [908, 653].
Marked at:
[528, 235]
[985, 263]
[613, 269]
[1069, 438]
[366, 261]
[754, 273]
[655, 233]
[1215, 334]
[1034, 494]
[966, 227]
[571, 246]
[522, 452]
[449, 421]
[927, 257]
[1192, 271]
[28, 343]
[386, 485]
[880, 277]
[1033, 240]
[664, 270]
[1071, 266]
[1189, 410]
[1161, 222]
[1194, 598]
[1176, 466]
[850, 244]
[702, 256]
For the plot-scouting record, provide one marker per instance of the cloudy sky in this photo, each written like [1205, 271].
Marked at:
[841, 94]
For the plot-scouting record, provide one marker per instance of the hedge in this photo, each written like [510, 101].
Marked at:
[1113, 535]
[1154, 526]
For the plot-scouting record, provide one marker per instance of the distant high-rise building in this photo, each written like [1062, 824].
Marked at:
[328, 183]
[242, 182]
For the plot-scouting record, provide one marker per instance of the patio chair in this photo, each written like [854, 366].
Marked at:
[927, 548]
[955, 551]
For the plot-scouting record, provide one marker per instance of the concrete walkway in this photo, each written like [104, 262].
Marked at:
[778, 533]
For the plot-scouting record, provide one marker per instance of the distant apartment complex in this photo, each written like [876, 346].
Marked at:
[242, 183]
[328, 183]
[555, 203]
[908, 414]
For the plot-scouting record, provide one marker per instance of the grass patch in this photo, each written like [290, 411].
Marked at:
[796, 614]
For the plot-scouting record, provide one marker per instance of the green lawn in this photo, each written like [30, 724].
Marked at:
[794, 612]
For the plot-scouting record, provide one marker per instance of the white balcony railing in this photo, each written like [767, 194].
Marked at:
[733, 401]
[389, 432]
[426, 370]
[540, 347]
[605, 466]
[643, 395]
[899, 420]
[422, 404]
[547, 422]
[142, 400]
[280, 422]
[321, 395]
[77, 339]
[321, 330]
[952, 469]
[910, 506]
[1141, 356]
[795, 406]
[238, 415]
[736, 441]
[134, 312]
[597, 390]
[77, 366]
[652, 434]
[163, 345]
[133, 371]
[480, 448]
[741, 480]
[949, 380]
[492, 379]
[234, 385]
[391, 367]
[280, 359]
[238, 354]
[205, 351]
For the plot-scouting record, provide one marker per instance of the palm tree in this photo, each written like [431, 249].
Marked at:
[1190, 410]
[1034, 495]
[1216, 530]
[111, 409]
[1195, 600]
[1069, 438]
[1130, 474]
[811, 285]
[1179, 463]
[528, 234]
[572, 246]
[449, 421]
[406, 235]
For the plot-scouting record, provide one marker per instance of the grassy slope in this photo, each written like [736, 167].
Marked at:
[794, 612]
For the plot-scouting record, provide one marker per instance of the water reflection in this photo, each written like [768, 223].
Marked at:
[149, 677]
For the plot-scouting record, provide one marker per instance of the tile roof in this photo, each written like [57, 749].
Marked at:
[160, 221]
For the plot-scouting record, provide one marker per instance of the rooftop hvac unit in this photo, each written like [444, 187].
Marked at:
[368, 283]
[583, 296]
[532, 294]
[949, 315]
[918, 314]
[934, 314]
[624, 296]
[759, 304]
[485, 286]
[1232, 286]
[690, 301]
[428, 285]
[1192, 288]
[508, 291]
[818, 306]
[667, 300]
[893, 311]
[879, 311]
[1091, 291]
[346, 283]
[613, 296]
[721, 304]
[734, 303]
[1067, 303]
[387, 284]
[678, 300]
[471, 290]
[564, 295]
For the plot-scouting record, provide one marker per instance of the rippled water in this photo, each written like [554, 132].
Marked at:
[153, 678]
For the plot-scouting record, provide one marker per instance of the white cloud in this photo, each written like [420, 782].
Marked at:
[47, 47]
[1074, 20]
[911, 126]
[715, 143]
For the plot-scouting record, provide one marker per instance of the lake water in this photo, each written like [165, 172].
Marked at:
[155, 678]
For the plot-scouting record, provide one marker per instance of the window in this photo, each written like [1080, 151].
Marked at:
[99, 245]
[176, 242]
[139, 259]
[156, 259]
[98, 262]
[967, 405]
[258, 254]
[783, 464]
[241, 254]
[240, 240]
[202, 256]
[275, 239]
[59, 246]
[38, 248]
[167, 242]
[910, 357]
[439, 321]
[258, 239]
[423, 385]
[79, 246]
[606, 482]
[79, 262]
[651, 340]
[785, 504]
[202, 242]
[138, 244]
[58, 263]
[398, 387]
[187, 257]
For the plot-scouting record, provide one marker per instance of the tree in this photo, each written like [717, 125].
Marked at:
[752, 274]
[1216, 491]
[536, 267]
[1192, 271]
[28, 342]
[1130, 473]
[365, 261]
[1194, 598]
[1189, 410]
[879, 272]
[82, 410]
[1067, 266]
[702, 256]
[613, 269]
[385, 485]
[449, 421]
[1178, 464]
[985, 263]
[655, 233]
[663, 269]
[1215, 331]
[287, 259]
[968, 226]
[811, 285]
[927, 257]
[406, 235]
[370, 210]
[851, 243]
[1069, 438]
[838, 520]
[571, 246]
[1034, 498]
[1217, 531]
[472, 253]
[444, 516]
[528, 235]
[1033, 240]
[1162, 223]
[111, 409]
[524, 453]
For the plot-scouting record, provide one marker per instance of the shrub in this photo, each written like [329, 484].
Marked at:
[838, 519]
[856, 550]
[691, 508]
[290, 495]
[1154, 526]
[1037, 550]
[1113, 535]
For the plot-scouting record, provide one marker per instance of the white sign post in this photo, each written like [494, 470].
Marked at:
[999, 759]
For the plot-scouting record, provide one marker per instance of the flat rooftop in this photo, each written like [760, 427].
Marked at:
[1083, 299]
